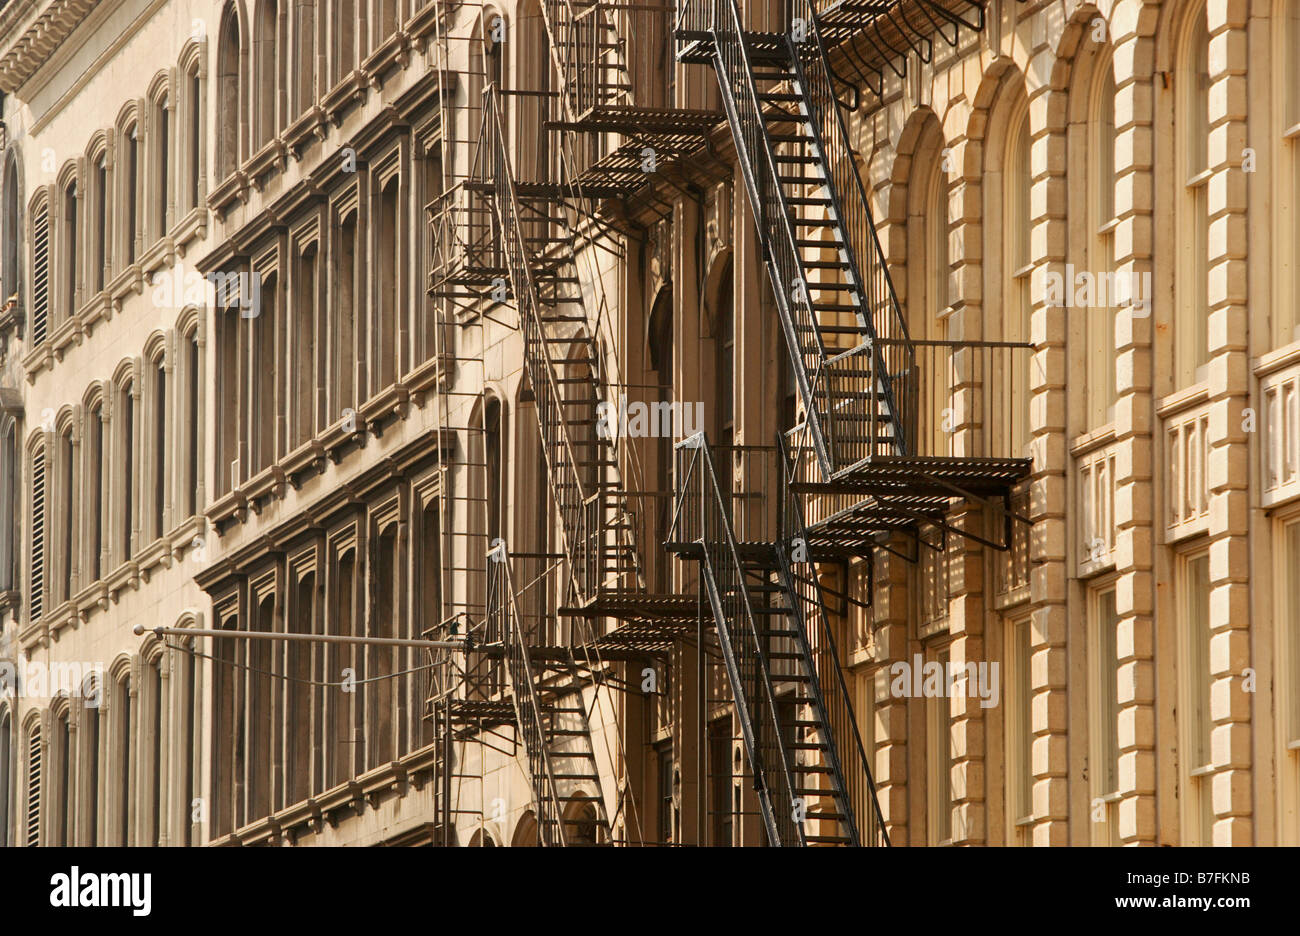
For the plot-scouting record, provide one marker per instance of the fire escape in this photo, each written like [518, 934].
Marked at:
[865, 468]
[542, 649]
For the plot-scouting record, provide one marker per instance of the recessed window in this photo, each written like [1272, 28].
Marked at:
[1195, 722]
[1103, 716]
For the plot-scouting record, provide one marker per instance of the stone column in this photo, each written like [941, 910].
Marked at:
[1131, 29]
[1048, 500]
[1228, 471]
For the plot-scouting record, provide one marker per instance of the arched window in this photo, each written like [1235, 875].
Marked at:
[724, 337]
[69, 255]
[127, 411]
[62, 803]
[40, 517]
[661, 353]
[123, 792]
[88, 785]
[192, 104]
[298, 694]
[130, 193]
[11, 231]
[161, 202]
[159, 468]
[431, 183]
[230, 94]
[342, 719]
[227, 655]
[1286, 302]
[1017, 225]
[155, 710]
[304, 376]
[93, 514]
[928, 291]
[191, 383]
[1191, 329]
[389, 284]
[384, 721]
[269, 78]
[40, 272]
[99, 199]
[6, 770]
[9, 500]
[346, 338]
[305, 61]
[264, 378]
[229, 407]
[431, 590]
[1100, 328]
[32, 800]
[258, 733]
[66, 511]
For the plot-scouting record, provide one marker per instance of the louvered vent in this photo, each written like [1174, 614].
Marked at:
[34, 789]
[40, 275]
[38, 536]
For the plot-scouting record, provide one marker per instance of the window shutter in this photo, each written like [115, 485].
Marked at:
[37, 598]
[34, 788]
[40, 275]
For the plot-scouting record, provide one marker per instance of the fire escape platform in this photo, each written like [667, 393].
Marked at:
[648, 623]
[695, 47]
[922, 476]
[630, 119]
[894, 27]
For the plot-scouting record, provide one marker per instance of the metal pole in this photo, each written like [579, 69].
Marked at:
[461, 644]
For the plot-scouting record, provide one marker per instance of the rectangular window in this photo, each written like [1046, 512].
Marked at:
[720, 781]
[665, 770]
[1290, 619]
[1103, 717]
[1194, 676]
[1018, 641]
[1288, 678]
[938, 736]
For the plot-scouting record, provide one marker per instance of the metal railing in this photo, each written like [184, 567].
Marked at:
[505, 618]
[754, 695]
[586, 519]
[803, 581]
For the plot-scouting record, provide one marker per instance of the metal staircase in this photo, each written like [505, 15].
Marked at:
[844, 328]
[867, 387]
[761, 620]
[555, 730]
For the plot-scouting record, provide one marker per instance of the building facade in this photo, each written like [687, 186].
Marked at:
[721, 424]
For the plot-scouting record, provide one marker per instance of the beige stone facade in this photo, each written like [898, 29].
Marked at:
[270, 362]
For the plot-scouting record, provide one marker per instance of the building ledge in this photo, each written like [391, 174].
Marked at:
[33, 31]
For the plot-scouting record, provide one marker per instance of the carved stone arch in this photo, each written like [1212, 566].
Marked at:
[121, 666]
[194, 55]
[155, 346]
[69, 172]
[159, 86]
[719, 266]
[525, 834]
[65, 418]
[127, 370]
[95, 393]
[190, 322]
